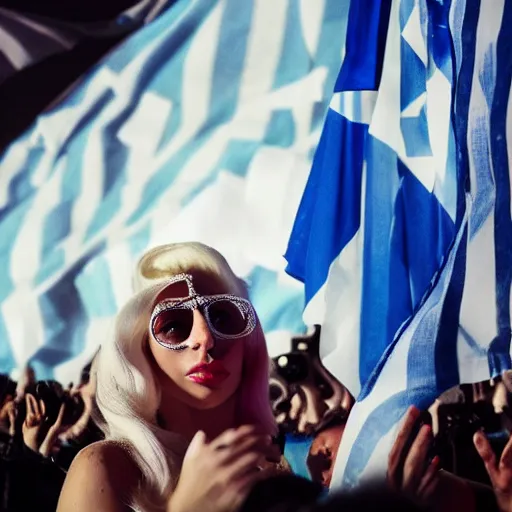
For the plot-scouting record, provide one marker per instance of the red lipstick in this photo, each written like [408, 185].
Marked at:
[208, 374]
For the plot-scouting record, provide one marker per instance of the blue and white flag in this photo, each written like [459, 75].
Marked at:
[403, 236]
[201, 126]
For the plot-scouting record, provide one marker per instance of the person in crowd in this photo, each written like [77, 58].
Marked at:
[499, 470]
[30, 445]
[324, 448]
[415, 471]
[182, 394]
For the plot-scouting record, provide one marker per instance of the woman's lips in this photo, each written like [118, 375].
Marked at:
[211, 374]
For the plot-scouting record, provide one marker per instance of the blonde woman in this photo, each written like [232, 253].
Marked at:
[182, 391]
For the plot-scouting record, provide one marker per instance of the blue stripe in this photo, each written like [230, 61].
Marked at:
[7, 360]
[362, 66]
[184, 15]
[422, 386]
[96, 276]
[140, 240]
[332, 36]
[115, 179]
[380, 421]
[294, 61]
[462, 87]
[229, 62]
[378, 221]
[499, 353]
[447, 364]
[404, 248]
[20, 188]
[280, 129]
[439, 38]
[325, 221]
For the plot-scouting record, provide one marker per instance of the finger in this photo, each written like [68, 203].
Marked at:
[198, 441]
[415, 462]
[30, 407]
[426, 485]
[258, 443]
[34, 404]
[60, 417]
[12, 421]
[486, 454]
[506, 456]
[42, 408]
[247, 463]
[29, 420]
[396, 453]
[233, 436]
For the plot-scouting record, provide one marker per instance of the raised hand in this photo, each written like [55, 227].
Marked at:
[410, 472]
[500, 471]
[26, 379]
[227, 467]
[8, 415]
[78, 428]
[52, 435]
[33, 422]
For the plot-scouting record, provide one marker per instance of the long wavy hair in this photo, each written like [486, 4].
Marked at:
[128, 393]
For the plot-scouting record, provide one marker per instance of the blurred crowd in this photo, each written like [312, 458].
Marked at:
[43, 425]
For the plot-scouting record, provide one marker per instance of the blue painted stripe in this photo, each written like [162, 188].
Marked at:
[327, 221]
[362, 66]
[229, 62]
[404, 248]
[294, 60]
[499, 352]
[378, 223]
[463, 84]
[332, 36]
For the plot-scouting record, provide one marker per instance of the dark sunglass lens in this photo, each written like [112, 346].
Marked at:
[173, 325]
[226, 317]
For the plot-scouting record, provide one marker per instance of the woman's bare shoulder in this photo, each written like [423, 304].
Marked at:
[103, 476]
[106, 453]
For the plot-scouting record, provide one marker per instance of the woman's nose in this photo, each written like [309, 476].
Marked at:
[200, 335]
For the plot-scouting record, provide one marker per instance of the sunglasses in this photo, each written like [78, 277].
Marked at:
[228, 317]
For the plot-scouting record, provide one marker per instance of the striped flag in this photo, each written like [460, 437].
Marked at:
[403, 235]
[200, 126]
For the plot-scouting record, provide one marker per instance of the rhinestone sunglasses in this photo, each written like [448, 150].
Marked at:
[228, 316]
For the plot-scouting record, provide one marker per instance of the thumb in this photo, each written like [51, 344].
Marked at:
[198, 441]
[486, 453]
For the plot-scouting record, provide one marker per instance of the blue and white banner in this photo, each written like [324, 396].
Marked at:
[201, 126]
[403, 236]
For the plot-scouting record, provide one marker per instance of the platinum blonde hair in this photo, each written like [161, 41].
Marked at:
[128, 394]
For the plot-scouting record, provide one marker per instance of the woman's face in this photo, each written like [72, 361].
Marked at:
[180, 373]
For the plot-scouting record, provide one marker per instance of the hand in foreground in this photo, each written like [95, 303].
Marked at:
[225, 468]
[500, 471]
[410, 472]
